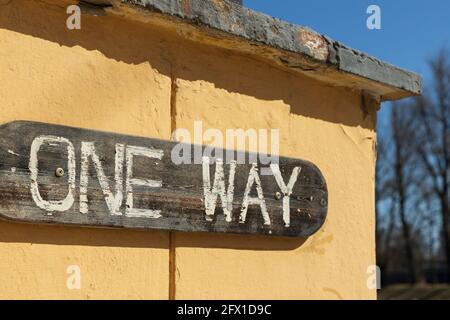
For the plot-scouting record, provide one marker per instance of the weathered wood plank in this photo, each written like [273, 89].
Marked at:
[113, 180]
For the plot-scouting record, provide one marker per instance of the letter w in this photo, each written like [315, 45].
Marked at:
[218, 189]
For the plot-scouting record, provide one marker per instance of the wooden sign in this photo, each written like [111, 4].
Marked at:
[71, 176]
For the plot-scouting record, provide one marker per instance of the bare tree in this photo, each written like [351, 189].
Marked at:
[384, 208]
[402, 127]
[396, 194]
[432, 140]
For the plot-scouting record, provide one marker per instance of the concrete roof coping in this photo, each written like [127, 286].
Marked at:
[298, 48]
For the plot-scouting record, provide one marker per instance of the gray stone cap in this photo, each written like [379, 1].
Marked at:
[298, 48]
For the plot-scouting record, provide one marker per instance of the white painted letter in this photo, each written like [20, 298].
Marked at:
[144, 152]
[56, 205]
[112, 201]
[253, 178]
[286, 190]
[218, 189]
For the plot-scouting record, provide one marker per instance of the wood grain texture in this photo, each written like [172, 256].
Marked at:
[180, 199]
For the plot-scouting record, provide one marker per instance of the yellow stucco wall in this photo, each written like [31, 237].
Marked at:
[122, 76]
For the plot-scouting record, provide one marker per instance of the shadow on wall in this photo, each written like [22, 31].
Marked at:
[134, 43]
[11, 232]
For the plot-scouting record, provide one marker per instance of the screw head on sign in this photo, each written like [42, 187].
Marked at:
[59, 172]
[277, 195]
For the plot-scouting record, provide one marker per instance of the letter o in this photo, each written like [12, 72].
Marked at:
[55, 205]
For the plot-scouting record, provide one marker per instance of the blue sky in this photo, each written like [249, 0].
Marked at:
[411, 30]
